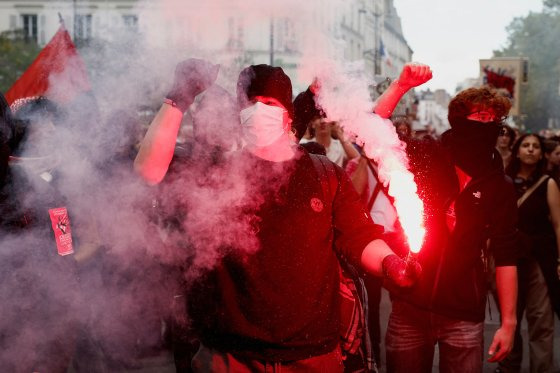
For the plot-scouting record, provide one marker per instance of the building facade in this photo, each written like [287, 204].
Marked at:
[432, 111]
[370, 29]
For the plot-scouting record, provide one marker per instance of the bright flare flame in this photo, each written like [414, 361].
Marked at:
[344, 96]
[409, 207]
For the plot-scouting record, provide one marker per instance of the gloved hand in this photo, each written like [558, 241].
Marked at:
[399, 272]
[192, 77]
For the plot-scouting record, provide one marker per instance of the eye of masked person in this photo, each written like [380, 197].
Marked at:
[483, 116]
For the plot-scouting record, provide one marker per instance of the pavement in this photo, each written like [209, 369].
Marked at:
[163, 363]
[491, 324]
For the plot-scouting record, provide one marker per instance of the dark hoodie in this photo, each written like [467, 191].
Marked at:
[453, 281]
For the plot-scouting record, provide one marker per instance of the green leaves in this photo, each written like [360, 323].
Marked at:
[537, 36]
[16, 54]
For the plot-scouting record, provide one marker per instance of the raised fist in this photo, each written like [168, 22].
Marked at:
[192, 77]
[399, 272]
[414, 74]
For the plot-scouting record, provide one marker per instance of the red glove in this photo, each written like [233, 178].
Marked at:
[192, 77]
[399, 272]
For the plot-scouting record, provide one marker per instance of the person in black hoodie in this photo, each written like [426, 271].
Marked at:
[275, 307]
[470, 202]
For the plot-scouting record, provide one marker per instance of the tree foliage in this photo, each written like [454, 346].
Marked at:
[552, 5]
[16, 54]
[537, 36]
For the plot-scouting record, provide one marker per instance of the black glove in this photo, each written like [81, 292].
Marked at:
[399, 272]
[192, 77]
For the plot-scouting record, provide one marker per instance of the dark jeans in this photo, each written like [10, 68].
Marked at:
[412, 334]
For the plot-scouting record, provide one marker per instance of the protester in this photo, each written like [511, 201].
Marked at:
[504, 143]
[215, 134]
[339, 149]
[403, 127]
[552, 156]
[275, 306]
[464, 209]
[539, 269]
[39, 291]
[306, 116]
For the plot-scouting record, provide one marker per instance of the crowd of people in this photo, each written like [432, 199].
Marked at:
[282, 235]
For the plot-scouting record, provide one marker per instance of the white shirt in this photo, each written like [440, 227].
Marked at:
[335, 151]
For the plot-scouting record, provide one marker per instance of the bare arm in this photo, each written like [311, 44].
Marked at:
[412, 75]
[506, 283]
[373, 255]
[553, 199]
[349, 149]
[192, 77]
[156, 150]
[360, 176]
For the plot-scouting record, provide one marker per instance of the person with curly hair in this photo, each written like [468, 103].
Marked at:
[468, 201]
[539, 269]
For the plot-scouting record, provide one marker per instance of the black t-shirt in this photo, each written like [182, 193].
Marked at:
[280, 302]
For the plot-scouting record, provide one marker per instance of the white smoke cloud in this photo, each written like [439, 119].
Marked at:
[137, 236]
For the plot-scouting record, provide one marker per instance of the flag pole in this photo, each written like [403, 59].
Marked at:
[61, 20]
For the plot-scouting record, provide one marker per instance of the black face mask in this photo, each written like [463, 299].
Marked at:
[471, 144]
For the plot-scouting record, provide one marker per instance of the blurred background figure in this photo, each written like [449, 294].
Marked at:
[505, 142]
[403, 127]
[539, 269]
[323, 131]
[329, 134]
[306, 115]
[552, 156]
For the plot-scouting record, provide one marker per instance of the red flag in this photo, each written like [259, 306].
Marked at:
[58, 72]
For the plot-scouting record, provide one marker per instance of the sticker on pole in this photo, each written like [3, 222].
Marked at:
[62, 231]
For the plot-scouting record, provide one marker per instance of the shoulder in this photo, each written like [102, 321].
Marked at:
[551, 185]
[501, 187]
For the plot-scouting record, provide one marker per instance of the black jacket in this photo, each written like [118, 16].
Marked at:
[453, 281]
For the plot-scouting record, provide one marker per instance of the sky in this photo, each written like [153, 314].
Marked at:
[452, 35]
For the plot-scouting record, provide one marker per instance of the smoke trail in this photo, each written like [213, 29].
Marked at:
[344, 96]
[131, 240]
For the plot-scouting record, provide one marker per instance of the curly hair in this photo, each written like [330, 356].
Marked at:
[483, 97]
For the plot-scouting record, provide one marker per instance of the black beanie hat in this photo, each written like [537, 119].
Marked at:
[305, 109]
[265, 80]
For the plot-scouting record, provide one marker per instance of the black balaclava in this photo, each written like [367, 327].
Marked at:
[472, 144]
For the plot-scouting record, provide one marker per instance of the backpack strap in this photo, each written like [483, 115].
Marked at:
[327, 176]
[329, 184]
[531, 190]
[379, 187]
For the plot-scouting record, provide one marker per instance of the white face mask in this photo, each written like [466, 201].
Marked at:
[262, 124]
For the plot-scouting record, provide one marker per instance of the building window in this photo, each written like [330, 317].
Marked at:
[82, 27]
[29, 26]
[130, 22]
